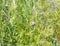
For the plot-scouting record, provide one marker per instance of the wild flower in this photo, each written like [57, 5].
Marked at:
[33, 23]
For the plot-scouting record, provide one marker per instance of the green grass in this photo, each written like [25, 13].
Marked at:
[29, 23]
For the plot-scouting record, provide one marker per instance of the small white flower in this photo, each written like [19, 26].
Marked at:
[33, 23]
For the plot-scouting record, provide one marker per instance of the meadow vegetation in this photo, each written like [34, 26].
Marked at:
[29, 22]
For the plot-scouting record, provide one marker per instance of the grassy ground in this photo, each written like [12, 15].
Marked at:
[29, 22]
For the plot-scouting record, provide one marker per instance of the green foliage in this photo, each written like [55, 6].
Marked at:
[29, 22]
